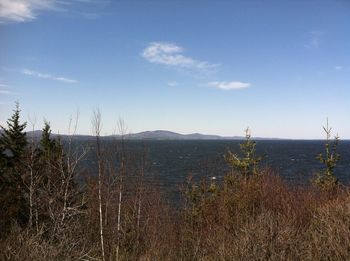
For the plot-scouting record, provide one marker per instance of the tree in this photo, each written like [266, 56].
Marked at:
[47, 145]
[97, 127]
[326, 179]
[48, 159]
[246, 165]
[13, 145]
[49, 152]
[13, 139]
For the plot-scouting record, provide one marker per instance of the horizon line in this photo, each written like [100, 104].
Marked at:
[219, 137]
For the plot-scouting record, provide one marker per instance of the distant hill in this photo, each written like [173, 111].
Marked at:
[169, 135]
[157, 135]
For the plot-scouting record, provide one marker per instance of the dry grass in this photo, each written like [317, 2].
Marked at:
[260, 218]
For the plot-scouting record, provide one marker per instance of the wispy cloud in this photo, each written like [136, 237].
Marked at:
[171, 54]
[27, 10]
[47, 76]
[341, 68]
[5, 92]
[314, 39]
[173, 84]
[23, 10]
[338, 68]
[234, 85]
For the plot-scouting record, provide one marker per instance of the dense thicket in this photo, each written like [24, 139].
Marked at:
[116, 215]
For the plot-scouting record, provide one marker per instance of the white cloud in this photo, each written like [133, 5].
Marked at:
[27, 10]
[172, 55]
[47, 76]
[63, 79]
[173, 84]
[23, 10]
[234, 85]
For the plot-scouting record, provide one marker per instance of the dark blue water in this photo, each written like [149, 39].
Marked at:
[170, 162]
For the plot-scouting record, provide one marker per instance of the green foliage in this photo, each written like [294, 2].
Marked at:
[13, 140]
[13, 145]
[56, 178]
[326, 178]
[50, 149]
[197, 197]
[3, 162]
[248, 163]
[14, 137]
[46, 143]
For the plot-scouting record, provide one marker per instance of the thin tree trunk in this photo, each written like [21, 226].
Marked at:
[118, 222]
[140, 191]
[31, 198]
[96, 123]
[100, 204]
[119, 208]
[31, 166]
[122, 132]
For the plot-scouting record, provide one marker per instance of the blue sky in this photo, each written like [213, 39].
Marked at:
[216, 67]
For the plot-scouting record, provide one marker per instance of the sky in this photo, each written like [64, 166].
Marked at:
[281, 67]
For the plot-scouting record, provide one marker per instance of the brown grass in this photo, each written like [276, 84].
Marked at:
[260, 218]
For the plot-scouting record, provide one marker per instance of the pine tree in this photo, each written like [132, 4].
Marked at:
[13, 145]
[247, 165]
[48, 146]
[13, 140]
[48, 158]
[326, 179]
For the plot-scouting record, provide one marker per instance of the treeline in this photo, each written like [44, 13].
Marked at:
[113, 213]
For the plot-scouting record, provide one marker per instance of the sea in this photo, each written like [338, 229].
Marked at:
[169, 163]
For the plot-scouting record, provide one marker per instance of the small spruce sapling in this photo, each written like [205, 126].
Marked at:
[326, 179]
[247, 165]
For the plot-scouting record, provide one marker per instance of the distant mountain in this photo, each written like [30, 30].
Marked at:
[154, 135]
[169, 135]
[37, 134]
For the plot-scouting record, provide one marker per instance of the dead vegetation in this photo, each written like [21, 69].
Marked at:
[252, 214]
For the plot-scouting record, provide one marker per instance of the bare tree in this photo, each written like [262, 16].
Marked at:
[32, 174]
[140, 191]
[122, 129]
[68, 170]
[96, 128]
[60, 198]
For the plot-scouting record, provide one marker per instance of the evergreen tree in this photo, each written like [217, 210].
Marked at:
[48, 146]
[326, 179]
[3, 162]
[247, 165]
[53, 178]
[13, 145]
[13, 140]
[49, 154]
